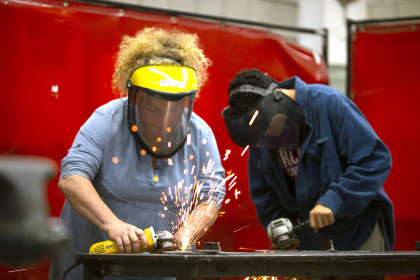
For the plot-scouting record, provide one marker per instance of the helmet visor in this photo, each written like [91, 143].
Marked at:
[275, 122]
[283, 133]
[248, 127]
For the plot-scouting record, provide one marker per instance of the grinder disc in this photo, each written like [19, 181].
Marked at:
[289, 244]
[167, 248]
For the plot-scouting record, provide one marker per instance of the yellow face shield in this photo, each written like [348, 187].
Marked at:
[160, 102]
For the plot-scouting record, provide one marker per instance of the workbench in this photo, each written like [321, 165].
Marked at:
[217, 264]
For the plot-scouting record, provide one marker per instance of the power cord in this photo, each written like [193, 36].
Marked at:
[70, 268]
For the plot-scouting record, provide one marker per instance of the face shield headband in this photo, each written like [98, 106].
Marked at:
[160, 103]
[255, 126]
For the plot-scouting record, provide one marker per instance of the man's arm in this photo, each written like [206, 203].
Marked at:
[84, 199]
[366, 161]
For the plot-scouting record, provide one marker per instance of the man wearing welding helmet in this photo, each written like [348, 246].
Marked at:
[313, 156]
[146, 160]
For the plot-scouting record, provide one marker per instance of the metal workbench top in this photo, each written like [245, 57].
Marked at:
[212, 264]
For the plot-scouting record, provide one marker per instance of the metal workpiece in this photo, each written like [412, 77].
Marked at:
[213, 263]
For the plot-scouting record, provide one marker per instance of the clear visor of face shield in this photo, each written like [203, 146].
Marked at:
[161, 124]
[275, 122]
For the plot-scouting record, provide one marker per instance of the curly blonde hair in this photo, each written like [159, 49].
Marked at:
[152, 44]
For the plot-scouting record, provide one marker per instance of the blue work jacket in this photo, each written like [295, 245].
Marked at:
[342, 165]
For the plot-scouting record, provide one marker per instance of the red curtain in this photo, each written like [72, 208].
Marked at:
[385, 85]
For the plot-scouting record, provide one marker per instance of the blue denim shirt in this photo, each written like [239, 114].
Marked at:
[342, 165]
[105, 152]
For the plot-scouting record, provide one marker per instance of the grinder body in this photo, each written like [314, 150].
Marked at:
[281, 234]
[111, 247]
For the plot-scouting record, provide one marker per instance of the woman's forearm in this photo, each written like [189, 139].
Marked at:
[84, 199]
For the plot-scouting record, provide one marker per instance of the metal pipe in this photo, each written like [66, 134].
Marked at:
[323, 32]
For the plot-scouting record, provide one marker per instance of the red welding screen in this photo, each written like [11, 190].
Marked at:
[385, 84]
[56, 67]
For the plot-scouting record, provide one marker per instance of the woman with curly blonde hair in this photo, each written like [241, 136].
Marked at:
[138, 161]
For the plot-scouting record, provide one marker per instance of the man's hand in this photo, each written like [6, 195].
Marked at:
[320, 217]
[126, 236]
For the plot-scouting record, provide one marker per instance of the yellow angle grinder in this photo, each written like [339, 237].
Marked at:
[157, 242]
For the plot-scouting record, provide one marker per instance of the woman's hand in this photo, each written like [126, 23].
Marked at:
[126, 236]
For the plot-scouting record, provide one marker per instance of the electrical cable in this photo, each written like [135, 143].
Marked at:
[70, 268]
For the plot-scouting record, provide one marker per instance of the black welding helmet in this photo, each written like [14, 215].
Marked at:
[160, 104]
[275, 121]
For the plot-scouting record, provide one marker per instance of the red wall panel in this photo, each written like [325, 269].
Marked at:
[385, 84]
[57, 63]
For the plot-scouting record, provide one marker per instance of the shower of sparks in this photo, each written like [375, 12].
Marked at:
[236, 193]
[253, 117]
[246, 249]
[241, 228]
[244, 151]
[54, 91]
[210, 165]
[232, 182]
[193, 204]
[187, 198]
[227, 154]
[170, 194]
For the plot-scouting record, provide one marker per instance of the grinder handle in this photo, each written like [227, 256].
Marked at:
[300, 226]
[110, 247]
